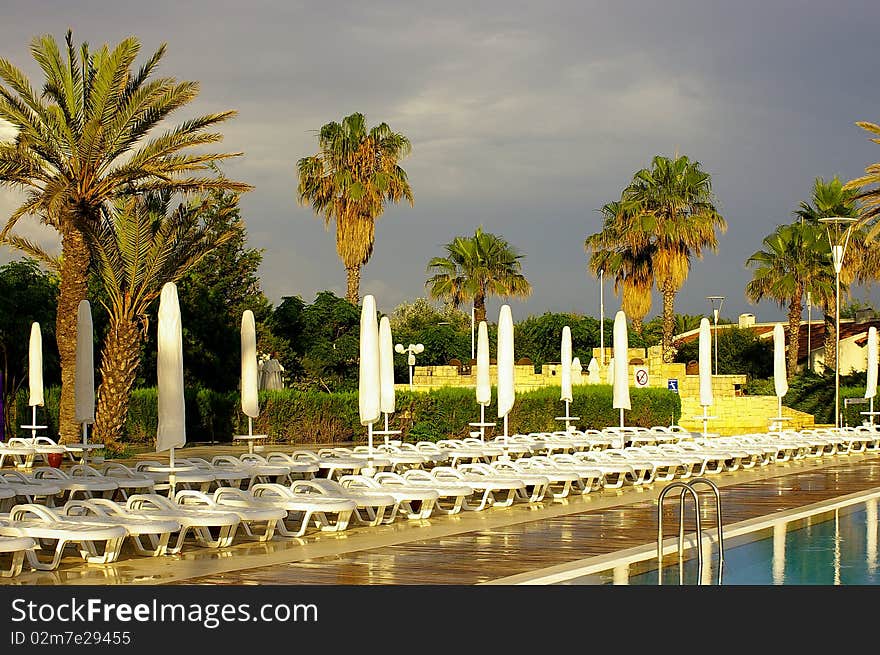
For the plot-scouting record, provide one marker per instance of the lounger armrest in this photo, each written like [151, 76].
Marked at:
[358, 482]
[155, 501]
[306, 486]
[271, 490]
[193, 497]
[115, 468]
[47, 473]
[19, 512]
[233, 493]
[387, 476]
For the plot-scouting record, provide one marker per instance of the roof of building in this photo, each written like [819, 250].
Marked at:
[849, 328]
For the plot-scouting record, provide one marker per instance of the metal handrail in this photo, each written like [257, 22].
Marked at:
[687, 488]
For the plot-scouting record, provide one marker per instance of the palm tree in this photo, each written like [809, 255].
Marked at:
[624, 252]
[869, 197]
[87, 138]
[349, 180]
[830, 198]
[676, 212]
[785, 269]
[139, 246]
[477, 267]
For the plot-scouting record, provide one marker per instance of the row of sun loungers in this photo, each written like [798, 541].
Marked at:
[286, 495]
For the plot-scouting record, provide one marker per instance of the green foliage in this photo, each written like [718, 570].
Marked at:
[740, 351]
[209, 415]
[213, 295]
[420, 314]
[27, 294]
[814, 394]
[315, 417]
[540, 337]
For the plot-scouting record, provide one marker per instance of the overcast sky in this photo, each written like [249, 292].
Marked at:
[524, 117]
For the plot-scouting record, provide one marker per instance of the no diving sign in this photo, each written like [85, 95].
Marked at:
[640, 373]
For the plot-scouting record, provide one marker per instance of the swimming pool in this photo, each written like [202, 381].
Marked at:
[832, 548]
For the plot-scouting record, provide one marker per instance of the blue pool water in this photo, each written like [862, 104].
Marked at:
[840, 550]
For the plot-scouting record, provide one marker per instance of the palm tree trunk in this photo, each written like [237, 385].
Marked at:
[74, 288]
[830, 356]
[119, 362]
[638, 325]
[668, 321]
[353, 278]
[795, 309]
[479, 308]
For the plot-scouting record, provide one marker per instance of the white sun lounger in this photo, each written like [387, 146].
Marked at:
[415, 503]
[29, 489]
[559, 481]
[85, 487]
[496, 491]
[258, 522]
[103, 511]
[127, 481]
[14, 547]
[193, 520]
[329, 514]
[451, 496]
[50, 531]
[371, 504]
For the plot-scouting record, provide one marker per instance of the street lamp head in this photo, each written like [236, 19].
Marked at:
[399, 348]
[418, 348]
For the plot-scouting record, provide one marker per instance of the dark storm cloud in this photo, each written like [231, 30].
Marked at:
[525, 117]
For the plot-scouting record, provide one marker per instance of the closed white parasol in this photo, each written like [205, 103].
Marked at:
[506, 381]
[780, 379]
[35, 377]
[369, 392]
[871, 385]
[250, 402]
[483, 382]
[621, 365]
[171, 432]
[387, 397]
[84, 387]
[705, 370]
[593, 371]
[565, 377]
[576, 372]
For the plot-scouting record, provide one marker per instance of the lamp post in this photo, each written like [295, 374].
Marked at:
[839, 229]
[412, 350]
[473, 355]
[715, 312]
[809, 324]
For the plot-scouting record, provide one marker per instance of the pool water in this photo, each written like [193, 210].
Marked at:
[840, 550]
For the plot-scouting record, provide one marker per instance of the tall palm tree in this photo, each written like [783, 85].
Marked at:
[139, 246]
[354, 173]
[89, 137]
[676, 208]
[867, 189]
[477, 267]
[624, 251]
[785, 269]
[861, 261]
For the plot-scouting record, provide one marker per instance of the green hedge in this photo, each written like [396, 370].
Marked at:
[294, 416]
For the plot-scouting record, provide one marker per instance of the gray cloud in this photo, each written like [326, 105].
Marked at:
[524, 117]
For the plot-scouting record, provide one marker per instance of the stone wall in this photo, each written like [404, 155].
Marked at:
[733, 412]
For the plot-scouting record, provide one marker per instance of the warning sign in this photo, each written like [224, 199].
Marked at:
[641, 376]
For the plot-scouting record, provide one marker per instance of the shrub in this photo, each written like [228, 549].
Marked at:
[294, 416]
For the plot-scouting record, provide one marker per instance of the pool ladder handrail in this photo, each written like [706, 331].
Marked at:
[687, 488]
